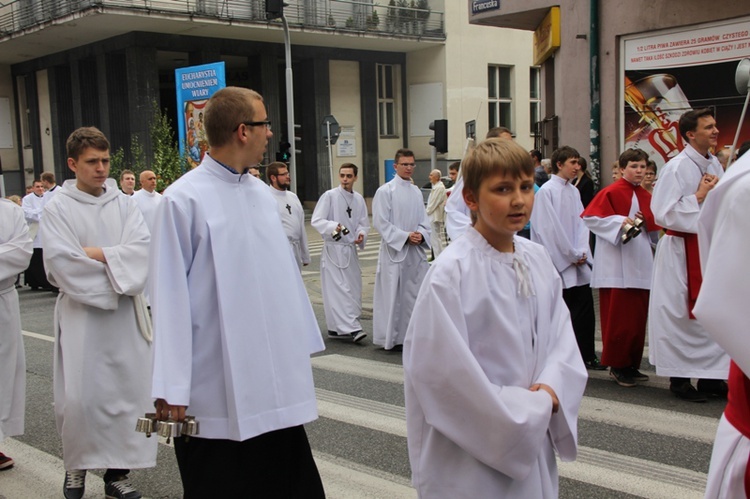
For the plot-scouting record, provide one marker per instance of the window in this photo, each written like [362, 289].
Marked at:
[535, 97]
[500, 96]
[386, 100]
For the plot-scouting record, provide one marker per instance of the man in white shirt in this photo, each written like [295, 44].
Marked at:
[436, 212]
[147, 198]
[233, 326]
[679, 346]
[33, 207]
[290, 209]
[398, 215]
[340, 275]
[556, 224]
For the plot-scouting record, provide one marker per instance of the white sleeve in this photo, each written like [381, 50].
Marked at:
[320, 220]
[547, 231]
[671, 209]
[607, 228]
[382, 220]
[15, 242]
[457, 214]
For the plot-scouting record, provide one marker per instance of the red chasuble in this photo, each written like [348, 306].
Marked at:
[617, 199]
[737, 411]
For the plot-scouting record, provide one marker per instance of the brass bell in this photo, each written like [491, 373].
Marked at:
[169, 429]
[190, 426]
[629, 231]
[146, 424]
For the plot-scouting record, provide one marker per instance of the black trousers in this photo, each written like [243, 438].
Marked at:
[278, 464]
[35, 276]
[580, 302]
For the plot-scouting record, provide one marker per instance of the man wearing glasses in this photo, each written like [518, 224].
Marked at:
[290, 209]
[399, 216]
[243, 372]
[341, 218]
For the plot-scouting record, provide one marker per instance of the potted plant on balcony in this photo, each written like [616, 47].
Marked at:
[404, 16]
[331, 21]
[391, 17]
[373, 20]
[422, 14]
[350, 22]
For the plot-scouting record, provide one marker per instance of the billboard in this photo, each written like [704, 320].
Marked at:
[669, 73]
[195, 85]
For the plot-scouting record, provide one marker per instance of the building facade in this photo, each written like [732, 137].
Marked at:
[643, 63]
[385, 71]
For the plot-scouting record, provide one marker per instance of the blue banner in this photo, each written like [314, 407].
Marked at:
[478, 6]
[195, 85]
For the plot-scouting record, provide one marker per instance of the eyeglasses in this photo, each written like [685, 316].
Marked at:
[266, 123]
[346, 175]
[410, 165]
[282, 174]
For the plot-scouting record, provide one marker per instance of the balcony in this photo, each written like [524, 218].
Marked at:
[401, 20]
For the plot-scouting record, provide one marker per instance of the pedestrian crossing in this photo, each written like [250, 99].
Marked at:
[360, 403]
[369, 254]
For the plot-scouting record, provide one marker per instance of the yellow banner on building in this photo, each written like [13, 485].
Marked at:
[547, 36]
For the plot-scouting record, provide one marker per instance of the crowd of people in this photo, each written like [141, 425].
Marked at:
[497, 332]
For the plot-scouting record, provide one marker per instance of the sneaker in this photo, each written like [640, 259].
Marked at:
[686, 391]
[75, 482]
[358, 336]
[5, 462]
[336, 336]
[713, 387]
[637, 375]
[594, 365]
[121, 489]
[621, 377]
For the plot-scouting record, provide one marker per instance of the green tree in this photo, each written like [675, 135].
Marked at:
[166, 163]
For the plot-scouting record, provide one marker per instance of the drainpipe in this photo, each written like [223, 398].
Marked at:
[594, 96]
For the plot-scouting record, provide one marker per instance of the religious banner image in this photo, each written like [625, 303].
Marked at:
[669, 74]
[195, 85]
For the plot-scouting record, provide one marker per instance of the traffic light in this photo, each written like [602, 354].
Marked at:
[274, 9]
[284, 152]
[440, 139]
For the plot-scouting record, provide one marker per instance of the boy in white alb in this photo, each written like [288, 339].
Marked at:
[95, 246]
[340, 274]
[493, 377]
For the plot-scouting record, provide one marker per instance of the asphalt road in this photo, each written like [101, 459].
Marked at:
[639, 442]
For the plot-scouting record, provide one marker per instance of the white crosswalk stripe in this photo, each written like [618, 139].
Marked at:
[639, 477]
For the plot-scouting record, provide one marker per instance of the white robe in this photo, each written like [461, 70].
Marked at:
[340, 273]
[436, 213]
[477, 341]
[620, 265]
[679, 346]
[15, 253]
[556, 224]
[233, 325]
[33, 207]
[102, 363]
[293, 219]
[724, 235]
[397, 210]
[147, 202]
[457, 214]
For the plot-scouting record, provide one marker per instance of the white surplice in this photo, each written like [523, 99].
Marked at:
[293, 219]
[15, 253]
[679, 346]
[397, 210]
[556, 224]
[33, 207]
[620, 265]
[486, 327]
[102, 364]
[147, 202]
[340, 273]
[233, 325]
[457, 214]
[436, 213]
[724, 235]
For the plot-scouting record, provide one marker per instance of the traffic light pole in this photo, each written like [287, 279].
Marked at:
[290, 105]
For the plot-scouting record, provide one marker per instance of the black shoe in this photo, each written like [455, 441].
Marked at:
[121, 489]
[396, 348]
[686, 391]
[636, 374]
[594, 365]
[622, 377]
[713, 387]
[358, 336]
[75, 482]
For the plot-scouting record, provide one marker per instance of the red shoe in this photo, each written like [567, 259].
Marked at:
[5, 462]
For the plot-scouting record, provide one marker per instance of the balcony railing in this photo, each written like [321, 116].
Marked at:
[346, 16]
